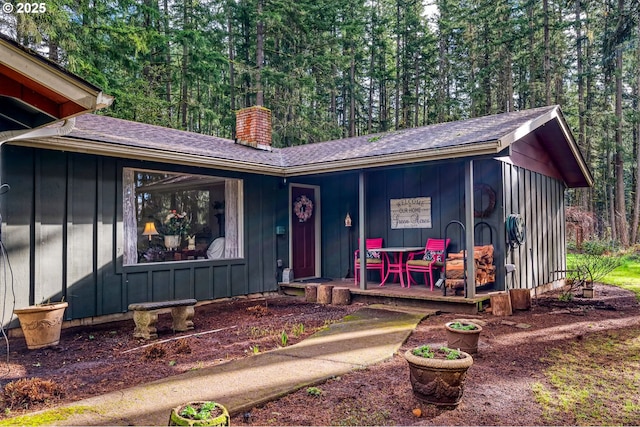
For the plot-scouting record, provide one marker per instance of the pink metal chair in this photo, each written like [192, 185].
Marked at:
[432, 257]
[374, 260]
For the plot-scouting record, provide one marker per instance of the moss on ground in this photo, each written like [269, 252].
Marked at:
[45, 417]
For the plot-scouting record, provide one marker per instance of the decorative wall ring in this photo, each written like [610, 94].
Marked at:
[484, 200]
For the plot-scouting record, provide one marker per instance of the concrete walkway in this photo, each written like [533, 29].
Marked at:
[368, 336]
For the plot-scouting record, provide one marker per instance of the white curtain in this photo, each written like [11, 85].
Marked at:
[232, 232]
[129, 215]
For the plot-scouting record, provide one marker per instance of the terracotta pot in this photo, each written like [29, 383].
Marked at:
[175, 419]
[41, 324]
[438, 381]
[466, 341]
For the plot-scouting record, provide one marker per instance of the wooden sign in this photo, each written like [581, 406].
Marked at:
[411, 213]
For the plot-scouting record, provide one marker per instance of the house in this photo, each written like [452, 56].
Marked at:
[89, 207]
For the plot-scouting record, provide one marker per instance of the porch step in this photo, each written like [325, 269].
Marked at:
[417, 297]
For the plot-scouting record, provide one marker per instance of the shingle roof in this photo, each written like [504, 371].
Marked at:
[432, 137]
[472, 137]
[149, 137]
[120, 132]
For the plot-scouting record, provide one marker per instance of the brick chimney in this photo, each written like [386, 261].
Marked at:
[253, 127]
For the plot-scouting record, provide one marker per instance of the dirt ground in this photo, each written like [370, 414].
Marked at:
[98, 359]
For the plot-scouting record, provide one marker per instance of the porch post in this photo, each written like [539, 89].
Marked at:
[469, 223]
[361, 230]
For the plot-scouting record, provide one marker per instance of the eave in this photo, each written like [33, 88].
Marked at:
[548, 128]
[162, 156]
[35, 92]
[428, 155]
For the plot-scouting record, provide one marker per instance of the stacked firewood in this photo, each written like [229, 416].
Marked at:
[484, 268]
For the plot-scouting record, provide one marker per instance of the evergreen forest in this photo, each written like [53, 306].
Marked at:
[330, 69]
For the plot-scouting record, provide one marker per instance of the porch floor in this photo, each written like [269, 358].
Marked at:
[418, 296]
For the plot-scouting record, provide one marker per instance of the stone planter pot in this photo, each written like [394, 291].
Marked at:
[587, 292]
[41, 324]
[220, 419]
[438, 381]
[172, 242]
[465, 340]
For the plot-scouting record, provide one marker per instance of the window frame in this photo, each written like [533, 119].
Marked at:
[130, 227]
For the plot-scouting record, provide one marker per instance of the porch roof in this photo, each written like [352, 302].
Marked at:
[35, 92]
[481, 136]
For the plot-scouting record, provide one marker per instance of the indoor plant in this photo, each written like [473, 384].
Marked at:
[42, 323]
[174, 227]
[463, 335]
[437, 374]
[199, 413]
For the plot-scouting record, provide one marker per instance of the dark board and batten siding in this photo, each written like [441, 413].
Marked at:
[540, 200]
[62, 229]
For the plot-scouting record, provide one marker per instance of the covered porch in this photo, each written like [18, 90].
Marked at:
[417, 296]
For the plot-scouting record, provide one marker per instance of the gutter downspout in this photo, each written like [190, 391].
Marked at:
[65, 129]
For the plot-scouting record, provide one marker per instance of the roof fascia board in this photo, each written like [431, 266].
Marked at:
[573, 146]
[527, 128]
[52, 78]
[486, 148]
[105, 149]
[554, 113]
[160, 156]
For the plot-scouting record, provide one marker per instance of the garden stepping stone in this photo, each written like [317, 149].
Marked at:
[523, 326]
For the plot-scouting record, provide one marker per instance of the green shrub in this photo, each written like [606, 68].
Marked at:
[599, 247]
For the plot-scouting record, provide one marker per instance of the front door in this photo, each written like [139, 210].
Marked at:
[304, 210]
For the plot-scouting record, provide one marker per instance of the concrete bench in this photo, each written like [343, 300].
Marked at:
[145, 316]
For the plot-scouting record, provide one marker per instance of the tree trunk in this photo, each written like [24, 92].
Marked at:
[588, 109]
[324, 294]
[352, 90]
[583, 194]
[311, 293]
[636, 142]
[185, 68]
[398, 53]
[259, 56]
[232, 84]
[547, 53]
[341, 296]
[167, 59]
[620, 205]
[532, 61]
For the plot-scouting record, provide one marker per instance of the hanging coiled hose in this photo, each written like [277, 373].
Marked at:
[516, 231]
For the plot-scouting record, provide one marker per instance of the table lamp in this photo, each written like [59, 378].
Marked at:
[150, 230]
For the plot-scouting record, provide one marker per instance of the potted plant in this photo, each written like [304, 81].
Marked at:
[437, 374]
[174, 227]
[42, 323]
[463, 335]
[199, 413]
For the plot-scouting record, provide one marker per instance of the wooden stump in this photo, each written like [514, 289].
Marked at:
[520, 299]
[501, 304]
[311, 293]
[324, 294]
[341, 296]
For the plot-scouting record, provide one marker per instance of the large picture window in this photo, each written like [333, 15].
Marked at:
[176, 217]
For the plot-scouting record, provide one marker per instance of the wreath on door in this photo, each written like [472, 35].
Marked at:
[303, 208]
